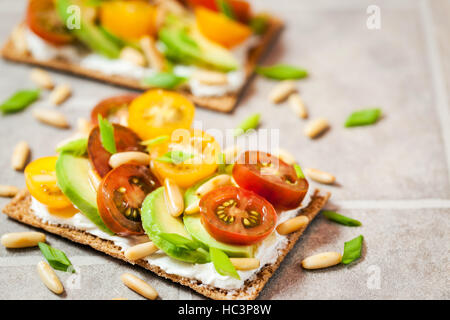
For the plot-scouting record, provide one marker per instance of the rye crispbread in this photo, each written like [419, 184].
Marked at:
[19, 209]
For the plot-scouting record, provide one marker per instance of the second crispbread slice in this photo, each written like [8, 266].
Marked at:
[19, 209]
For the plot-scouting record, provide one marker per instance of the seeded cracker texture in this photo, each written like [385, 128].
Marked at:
[224, 103]
[19, 209]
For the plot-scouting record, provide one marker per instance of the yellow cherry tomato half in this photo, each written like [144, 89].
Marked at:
[219, 28]
[194, 154]
[129, 20]
[40, 177]
[159, 112]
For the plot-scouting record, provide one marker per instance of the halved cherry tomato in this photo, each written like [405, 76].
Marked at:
[120, 198]
[40, 178]
[241, 8]
[237, 216]
[271, 178]
[203, 151]
[115, 109]
[159, 112]
[44, 21]
[126, 140]
[213, 24]
[129, 20]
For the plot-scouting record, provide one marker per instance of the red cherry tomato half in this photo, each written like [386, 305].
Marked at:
[241, 9]
[44, 21]
[271, 178]
[115, 109]
[120, 197]
[126, 140]
[237, 216]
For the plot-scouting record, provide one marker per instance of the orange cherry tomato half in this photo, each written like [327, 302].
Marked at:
[237, 216]
[115, 109]
[120, 197]
[126, 140]
[241, 9]
[271, 178]
[40, 178]
[213, 24]
[43, 19]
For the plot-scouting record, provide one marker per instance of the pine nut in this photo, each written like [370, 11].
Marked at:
[140, 251]
[172, 6]
[316, 127]
[282, 90]
[192, 208]
[51, 117]
[84, 126]
[19, 39]
[210, 77]
[286, 156]
[49, 277]
[320, 176]
[154, 57]
[134, 157]
[217, 181]
[41, 78]
[245, 263]
[22, 239]
[20, 155]
[322, 260]
[231, 153]
[8, 191]
[297, 105]
[139, 286]
[94, 178]
[292, 225]
[60, 94]
[173, 197]
[133, 55]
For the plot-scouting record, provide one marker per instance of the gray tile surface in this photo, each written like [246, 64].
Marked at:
[395, 173]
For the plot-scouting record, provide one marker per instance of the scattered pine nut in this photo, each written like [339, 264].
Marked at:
[20, 155]
[173, 198]
[134, 157]
[19, 39]
[210, 77]
[320, 176]
[172, 6]
[140, 251]
[139, 286]
[49, 277]
[245, 263]
[322, 260]
[286, 156]
[133, 55]
[60, 94]
[16, 240]
[282, 90]
[8, 191]
[41, 78]
[192, 208]
[297, 105]
[84, 126]
[51, 117]
[154, 58]
[292, 225]
[217, 181]
[316, 127]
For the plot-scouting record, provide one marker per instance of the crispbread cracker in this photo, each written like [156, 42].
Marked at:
[19, 209]
[224, 103]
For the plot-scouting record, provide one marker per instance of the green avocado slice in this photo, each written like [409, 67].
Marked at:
[73, 180]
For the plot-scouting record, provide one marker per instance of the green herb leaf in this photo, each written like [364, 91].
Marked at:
[175, 157]
[299, 172]
[363, 117]
[180, 241]
[251, 122]
[225, 8]
[19, 101]
[155, 141]
[56, 258]
[107, 135]
[76, 147]
[336, 217]
[282, 72]
[352, 250]
[164, 80]
[222, 263]
[259, 24]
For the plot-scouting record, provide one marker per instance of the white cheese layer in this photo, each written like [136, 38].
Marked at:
[267, 252]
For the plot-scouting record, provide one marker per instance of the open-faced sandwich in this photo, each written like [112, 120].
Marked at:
[206, 49]
[219, 222]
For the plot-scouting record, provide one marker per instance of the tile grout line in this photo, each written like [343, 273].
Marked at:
[440, 92]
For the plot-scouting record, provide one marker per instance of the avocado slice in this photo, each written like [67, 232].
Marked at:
[195, 228]
[73, 180]
[88, 33]
[157, 220]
